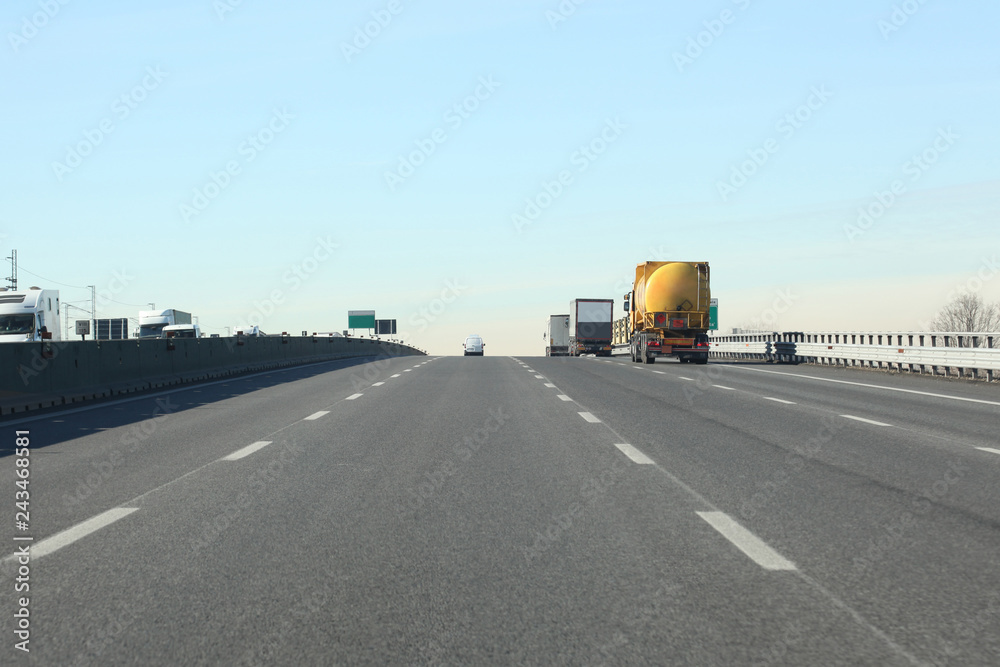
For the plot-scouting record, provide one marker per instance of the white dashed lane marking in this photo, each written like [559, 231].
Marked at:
[754, 547]
[867, 421]
[79, 531]
[634, 454]
[246, 451]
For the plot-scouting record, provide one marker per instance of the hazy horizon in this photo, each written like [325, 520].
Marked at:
[471, 169]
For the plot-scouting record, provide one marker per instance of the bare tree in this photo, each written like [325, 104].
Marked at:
[969, 313]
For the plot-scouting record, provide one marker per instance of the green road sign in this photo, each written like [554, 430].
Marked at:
[361, 319]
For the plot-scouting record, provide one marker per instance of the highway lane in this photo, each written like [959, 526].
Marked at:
[900, 523]
[463, 512]
[94, 457]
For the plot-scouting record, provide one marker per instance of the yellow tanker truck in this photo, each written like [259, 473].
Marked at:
[666, 313]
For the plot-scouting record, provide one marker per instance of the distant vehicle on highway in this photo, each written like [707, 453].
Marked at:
[182, 331]
[557, 336]
[474, 345]
[667, 313]
[590, 327]
[30, 315]
[253, 330]
[152, 322]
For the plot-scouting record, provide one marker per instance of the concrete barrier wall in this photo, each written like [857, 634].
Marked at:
[34, 375]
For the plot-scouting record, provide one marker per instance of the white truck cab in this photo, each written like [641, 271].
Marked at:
[31, 315]
[182, 331]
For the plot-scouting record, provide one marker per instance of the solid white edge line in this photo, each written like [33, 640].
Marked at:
[634, 454]
[989, 449]
[867, 421]
[79, 531]
[589, 417]
[755, 548]
[247, 451]
[353, 396]
[863, 384]
[563, 397]
[316, 415]
[779, 400]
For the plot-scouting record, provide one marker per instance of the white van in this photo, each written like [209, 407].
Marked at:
[474, 345]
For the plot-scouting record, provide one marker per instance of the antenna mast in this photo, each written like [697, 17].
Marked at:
[13, 270]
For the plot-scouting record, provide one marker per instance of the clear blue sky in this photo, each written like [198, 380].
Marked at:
[313, 121]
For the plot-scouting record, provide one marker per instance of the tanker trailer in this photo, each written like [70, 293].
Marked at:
[667, 312]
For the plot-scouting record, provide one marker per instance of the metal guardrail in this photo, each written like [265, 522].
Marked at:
[958, 354]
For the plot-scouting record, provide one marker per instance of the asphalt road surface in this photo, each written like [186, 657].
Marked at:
[494, 510]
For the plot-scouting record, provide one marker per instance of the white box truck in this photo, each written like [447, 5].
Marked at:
[590, 327]
[29, 316]
[557, 336]
[152, 322]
